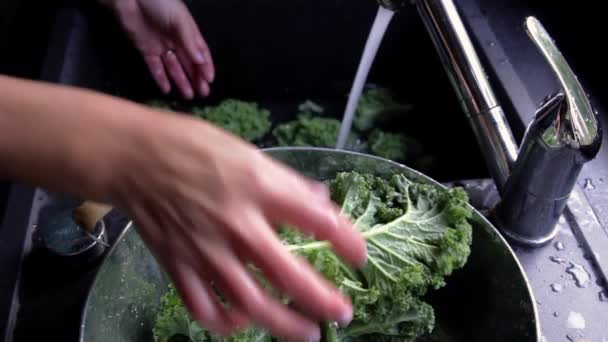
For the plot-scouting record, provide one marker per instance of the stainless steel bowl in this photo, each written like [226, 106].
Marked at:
[488, 300]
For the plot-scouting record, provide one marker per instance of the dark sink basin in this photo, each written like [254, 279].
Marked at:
[280, 54]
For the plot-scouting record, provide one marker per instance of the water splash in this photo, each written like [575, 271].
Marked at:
[556, 314]
[383, 19]
[580, 275]
[575, 321]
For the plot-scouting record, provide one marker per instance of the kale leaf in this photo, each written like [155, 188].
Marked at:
[245, 119]
[417, 235]
[393, 146]
[310, 131]
[376, 105]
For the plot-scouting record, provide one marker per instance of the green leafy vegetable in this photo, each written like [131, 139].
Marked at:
[393, 146]
[173, 321]
[309, 131]
[375, 105]
[310, 107]
[245, 119]
[159, 104]
[417, 235]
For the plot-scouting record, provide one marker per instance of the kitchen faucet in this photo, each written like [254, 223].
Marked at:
[536, 179]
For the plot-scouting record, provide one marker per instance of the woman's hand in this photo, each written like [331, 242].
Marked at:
[206, 203]
[169, 40]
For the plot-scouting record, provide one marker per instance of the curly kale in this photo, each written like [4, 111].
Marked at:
[309, 131]
[159, 104]
[394, 146]
[417, 235]
[245, 119]
[375, 105]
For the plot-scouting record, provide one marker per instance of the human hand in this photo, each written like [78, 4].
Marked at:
[208, 206]
[169, 40]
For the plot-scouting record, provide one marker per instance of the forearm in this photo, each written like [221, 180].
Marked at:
[62, 138]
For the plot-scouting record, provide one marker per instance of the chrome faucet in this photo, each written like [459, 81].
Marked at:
[535, 180]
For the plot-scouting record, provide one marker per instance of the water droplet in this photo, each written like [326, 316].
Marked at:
[603, 296]
[502, 61]
[559, 246]
[575, 321]
[558, 260]
[557, 288]
[556, 314]
[588, 184]
[492, 43]
[601, 179]
[580, 275]
[538, 302]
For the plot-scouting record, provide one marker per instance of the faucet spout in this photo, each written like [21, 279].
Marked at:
[472, 86]
[565, 133]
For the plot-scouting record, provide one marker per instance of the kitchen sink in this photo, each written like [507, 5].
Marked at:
[280, 54]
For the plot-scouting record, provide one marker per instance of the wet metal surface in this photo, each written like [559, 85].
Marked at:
[567, 279]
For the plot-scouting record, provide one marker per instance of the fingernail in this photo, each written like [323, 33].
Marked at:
[346, 317]
[200, 59]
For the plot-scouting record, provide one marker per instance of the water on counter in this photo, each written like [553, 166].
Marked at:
[558, 260]
[576, 321]
[589, 184]
[580, 275]
[383, 19]
[557, 288]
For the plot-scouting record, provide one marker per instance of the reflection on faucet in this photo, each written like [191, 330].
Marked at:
[564, 135]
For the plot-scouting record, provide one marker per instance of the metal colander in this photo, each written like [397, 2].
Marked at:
[488, 300]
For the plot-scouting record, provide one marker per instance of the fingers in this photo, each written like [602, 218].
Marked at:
[305, 286]
[197, 79]
[198, 45]
[208, 68]
[155, 65]
[174, 68]
[188, 33]
[202, 303]
[203, 87]
[306, 205]
[244, 293]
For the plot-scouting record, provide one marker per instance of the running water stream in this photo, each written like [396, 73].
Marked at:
[383, 19]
